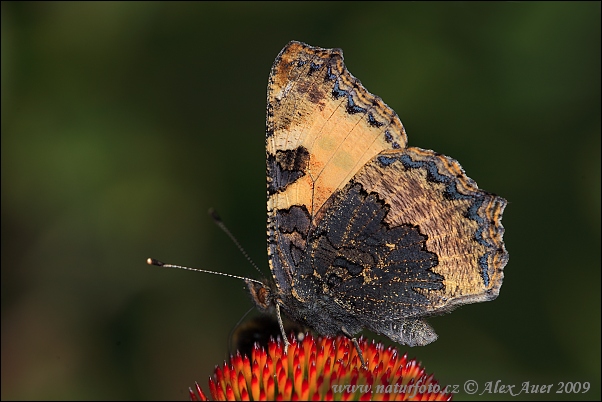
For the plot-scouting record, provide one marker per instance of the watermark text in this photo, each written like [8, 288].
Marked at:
[470, 387]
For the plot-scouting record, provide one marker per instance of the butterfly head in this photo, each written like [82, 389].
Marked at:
[262, 295]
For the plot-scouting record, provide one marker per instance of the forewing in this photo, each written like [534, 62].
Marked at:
[322, 127]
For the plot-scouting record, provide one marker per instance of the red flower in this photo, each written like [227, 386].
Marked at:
[322, 369]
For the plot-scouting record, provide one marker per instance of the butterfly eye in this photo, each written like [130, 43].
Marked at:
[263, 295]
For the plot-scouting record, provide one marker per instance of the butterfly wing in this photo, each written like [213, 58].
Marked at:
[322, 128]
[362, 231]
[409, 236]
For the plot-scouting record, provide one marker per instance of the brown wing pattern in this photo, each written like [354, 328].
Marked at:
[461, 223]
[434, 240]
[322, 127]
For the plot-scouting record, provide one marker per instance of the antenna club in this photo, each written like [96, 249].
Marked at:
[214, 215]
[152, 261]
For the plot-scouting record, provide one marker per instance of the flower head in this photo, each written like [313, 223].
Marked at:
[322, 368]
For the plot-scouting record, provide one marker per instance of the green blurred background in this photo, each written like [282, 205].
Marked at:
[123, 123]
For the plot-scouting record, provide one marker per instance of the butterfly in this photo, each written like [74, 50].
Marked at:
[364, 231]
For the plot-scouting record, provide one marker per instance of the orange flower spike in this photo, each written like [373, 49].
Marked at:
[304, 394]
[199, 392]
[366, 396]
[298, 378]
[255, 388]
[264, 357]
[347, 396]
[416, 369]
[355, 361]
[236, 362]
[296, 364]
[320, 356]
[352, 375]
[381, 380]
[242, 384]
[269, 362]
[428, 379]
[342, 371]
[246, 369]
[406, 369]
[255, 370]
[378, 371]
[312, 374]
[287, 392]
[374, 361]
[320, 386]
[380, 396]
[394, 360]
[412, 369]
[323, 364]
[314, 344]
[329, 395]
[328, 346]
[212, 387]
[220, 375]
[309, 347]
[300, 357]
[235, 367]
[259, 355]
[337, 351]
[229, 393]
[400, 396]
[395, 376]
[270, 390]
[316, 396]
[386, 377]
[346, 349]
[272, 350]
[244, 395]
[266, 374]
[327, 370]
[291, 353]
[261, 351]
[404, 359]
[281, 380]
[219, 394]
[279, 365]
[335, 375]
[384, 356]
[368, 378]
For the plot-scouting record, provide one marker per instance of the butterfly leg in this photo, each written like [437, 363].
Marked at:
[284, 337]
[357, 346]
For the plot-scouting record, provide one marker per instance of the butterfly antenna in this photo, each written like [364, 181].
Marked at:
[233, 330]
[218, 221]
[152, 261]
